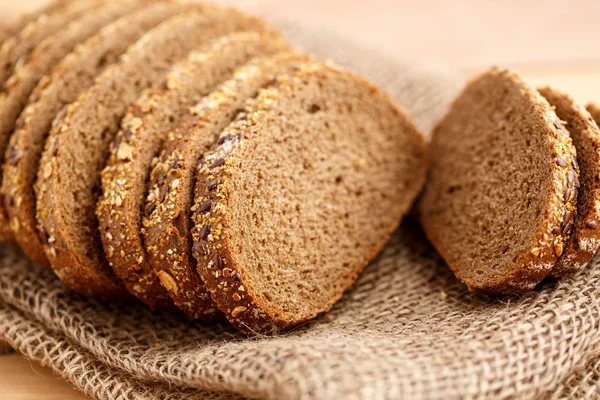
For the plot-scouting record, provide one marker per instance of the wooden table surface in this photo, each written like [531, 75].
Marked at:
[550, 42]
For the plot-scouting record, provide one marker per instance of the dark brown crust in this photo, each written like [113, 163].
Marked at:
[169, 250]
[119, 209]
[26, 143]
[90, 273]
[17, 49]
[533, 266]
[585, 236]
[216, 265]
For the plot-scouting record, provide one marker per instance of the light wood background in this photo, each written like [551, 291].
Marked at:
[551, 41]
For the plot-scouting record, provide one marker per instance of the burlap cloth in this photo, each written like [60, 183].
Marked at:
[407, 329]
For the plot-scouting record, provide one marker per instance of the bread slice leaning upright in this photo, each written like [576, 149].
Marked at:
[305, 187]
[585, 235]
[499, 194]
[75, 73]
[78, 147]
[167, 219]
[144, 128]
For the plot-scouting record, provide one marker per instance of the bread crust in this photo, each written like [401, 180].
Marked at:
[584, 240]
[70, 219]
[217, 264]
[14, 53]
[124, 179]
[557, 215]
[167, 217]
[77, 71]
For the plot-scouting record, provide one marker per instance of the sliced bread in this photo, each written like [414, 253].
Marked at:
[585, 235]
[47, 54]
[167, 220]
[18, 48]
[305, 188]
[13, 28]
[56, 90]
[499, 198]
[75, 153]
[144, 128]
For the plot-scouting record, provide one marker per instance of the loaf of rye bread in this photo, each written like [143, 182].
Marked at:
[185, 154]
[167, 218]
[55, 91]
[285, 203]
[68, 183]
[125, 177]
[49, 52]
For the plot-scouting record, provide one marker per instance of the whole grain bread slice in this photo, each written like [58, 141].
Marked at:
[47, 54]
[305, 188]
[76, 151]
[56, 90]
[499, 199]
[13, 28]
[167, 218]
[585, 235]
[144, 128]
[17, 49]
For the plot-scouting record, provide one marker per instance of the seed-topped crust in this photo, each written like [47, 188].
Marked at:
[218, 252]
[167, 217]
[143, 129]
[75, 152]
[584, 131]
[14, 53]
[49, 52]
[558, 209]
[76, 72]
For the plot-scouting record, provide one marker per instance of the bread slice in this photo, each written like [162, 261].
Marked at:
[13, 28]
[56, 90]
[75, 152]
[585, 235]
[305, 188]
[144, 128]
[167, 220]
[45, 56]
[18, 48]
[499, 199]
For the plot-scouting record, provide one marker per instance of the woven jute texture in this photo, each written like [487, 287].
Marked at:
[407, 329]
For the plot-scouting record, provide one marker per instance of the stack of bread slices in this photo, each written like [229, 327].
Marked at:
[513, 192]
[186, 156]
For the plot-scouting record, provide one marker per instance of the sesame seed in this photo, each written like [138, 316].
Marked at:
[168, 282]
[560, 161]
[558, 249]
[536, 251]
[570, 176]
[238, 310]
